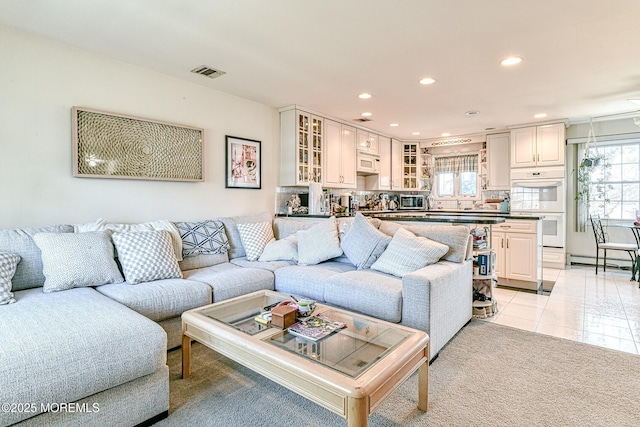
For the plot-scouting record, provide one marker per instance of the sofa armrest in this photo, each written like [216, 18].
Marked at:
[437, 299]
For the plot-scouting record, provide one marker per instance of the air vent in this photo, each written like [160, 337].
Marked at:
[362, 120]
[208, 72]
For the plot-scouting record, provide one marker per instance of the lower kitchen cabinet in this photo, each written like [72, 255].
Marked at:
[518, 247]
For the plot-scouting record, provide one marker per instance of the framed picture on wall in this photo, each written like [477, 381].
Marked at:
[243, 163]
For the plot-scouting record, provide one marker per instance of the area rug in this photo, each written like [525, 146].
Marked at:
[487, 375]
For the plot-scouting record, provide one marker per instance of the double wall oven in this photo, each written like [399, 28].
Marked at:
[541, 191]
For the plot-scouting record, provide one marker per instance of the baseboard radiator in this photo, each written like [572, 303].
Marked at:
[615, 262]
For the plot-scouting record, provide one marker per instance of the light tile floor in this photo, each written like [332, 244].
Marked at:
[603, 310]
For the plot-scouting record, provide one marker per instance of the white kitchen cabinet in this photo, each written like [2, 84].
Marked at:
[497, 162]
[384, 176]
[368, 142]
[538, 146]
[396, 165]
[339, 155]
[518, 247]
[301, 147]
[410, 165]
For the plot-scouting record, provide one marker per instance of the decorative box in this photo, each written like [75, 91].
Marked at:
[283, 316]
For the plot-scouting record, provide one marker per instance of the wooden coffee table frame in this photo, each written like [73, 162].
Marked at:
[351, 398]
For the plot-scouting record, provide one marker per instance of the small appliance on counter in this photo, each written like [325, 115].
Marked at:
[412, 201]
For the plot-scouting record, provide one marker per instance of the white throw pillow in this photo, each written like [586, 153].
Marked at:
[407, 253]
[73, 260]
[364, 243]
[255, 237]
[146, 256]
[8, 263]
[319, 243]
[281, 250]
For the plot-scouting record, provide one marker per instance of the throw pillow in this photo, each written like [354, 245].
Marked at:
[364, 243]
[318, 243]
[146, 256]
[8, 264]
[281, 250]
[407, 253]
[254, 237]
[236, 250]
[73, 260]
[206, 237]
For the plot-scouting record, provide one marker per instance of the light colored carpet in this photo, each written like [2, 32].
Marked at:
[488, 375]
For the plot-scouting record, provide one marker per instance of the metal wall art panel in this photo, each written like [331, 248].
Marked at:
[107, 145]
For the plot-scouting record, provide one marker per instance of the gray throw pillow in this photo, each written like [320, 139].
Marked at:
[146, 256]
[364, 243]
[206, 237]
[407, 253]
[255, 237]
[73, 260]
[281, 250]
[318, 243]
[8, 264]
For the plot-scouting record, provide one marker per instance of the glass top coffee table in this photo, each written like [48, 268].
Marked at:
[349, 372]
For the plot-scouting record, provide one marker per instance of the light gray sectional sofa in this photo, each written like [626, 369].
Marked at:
[85, 341]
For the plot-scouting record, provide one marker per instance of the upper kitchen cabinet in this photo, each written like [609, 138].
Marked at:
[538, 146]
[339, 155]
[368, 142]
[410, 164]
[497, 161]
[397, 159]
[301, 147]
[384, 176]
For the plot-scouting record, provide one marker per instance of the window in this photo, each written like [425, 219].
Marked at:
[456, 176]
[614, 184]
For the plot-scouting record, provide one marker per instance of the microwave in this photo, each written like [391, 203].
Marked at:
[412, 201]
[367, 163]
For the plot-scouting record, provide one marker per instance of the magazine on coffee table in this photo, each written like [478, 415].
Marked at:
[315, 327]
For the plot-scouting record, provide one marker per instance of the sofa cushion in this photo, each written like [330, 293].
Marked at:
[368, 292]
[309, 280]
[363, 243]
[236, 249]
[160, 299]
[285, 227]
[255, 236]
[408, 252]
[202, 260]
[8, 264]
[68, 345]
[265, 265]
[281, 250]
[101, 224]
[456, 237]
[205, 237]
[228, 280]
[318, 243]
[20, 241]
[146, 256]
[73, 260]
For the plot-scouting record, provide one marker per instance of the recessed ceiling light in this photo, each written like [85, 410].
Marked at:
[540, 115]
[364, 96]
[415, 133]
[512, 60]
[394, 125]
[446, 134]
[367, 114]
[427, 81]
[489, 128]
[634, 100]
[472, 113]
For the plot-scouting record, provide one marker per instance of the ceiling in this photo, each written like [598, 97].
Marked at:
[580, 56]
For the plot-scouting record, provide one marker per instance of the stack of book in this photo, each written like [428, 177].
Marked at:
[315, 327]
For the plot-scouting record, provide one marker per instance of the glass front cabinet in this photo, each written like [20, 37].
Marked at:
[302, 136]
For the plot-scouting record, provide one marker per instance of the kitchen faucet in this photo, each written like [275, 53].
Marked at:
[458, 203]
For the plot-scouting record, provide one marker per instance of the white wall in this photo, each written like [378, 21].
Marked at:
[39, 83]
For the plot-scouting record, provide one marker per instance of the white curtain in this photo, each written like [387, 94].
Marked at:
[456, 164]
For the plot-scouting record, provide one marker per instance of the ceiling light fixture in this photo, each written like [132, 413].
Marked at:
[446, 134]
[540, 115]
[415, 133]
[427, 81]
[472, 113]
[364, 95]
[366, 114]
[512, 60]
[394, 125]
